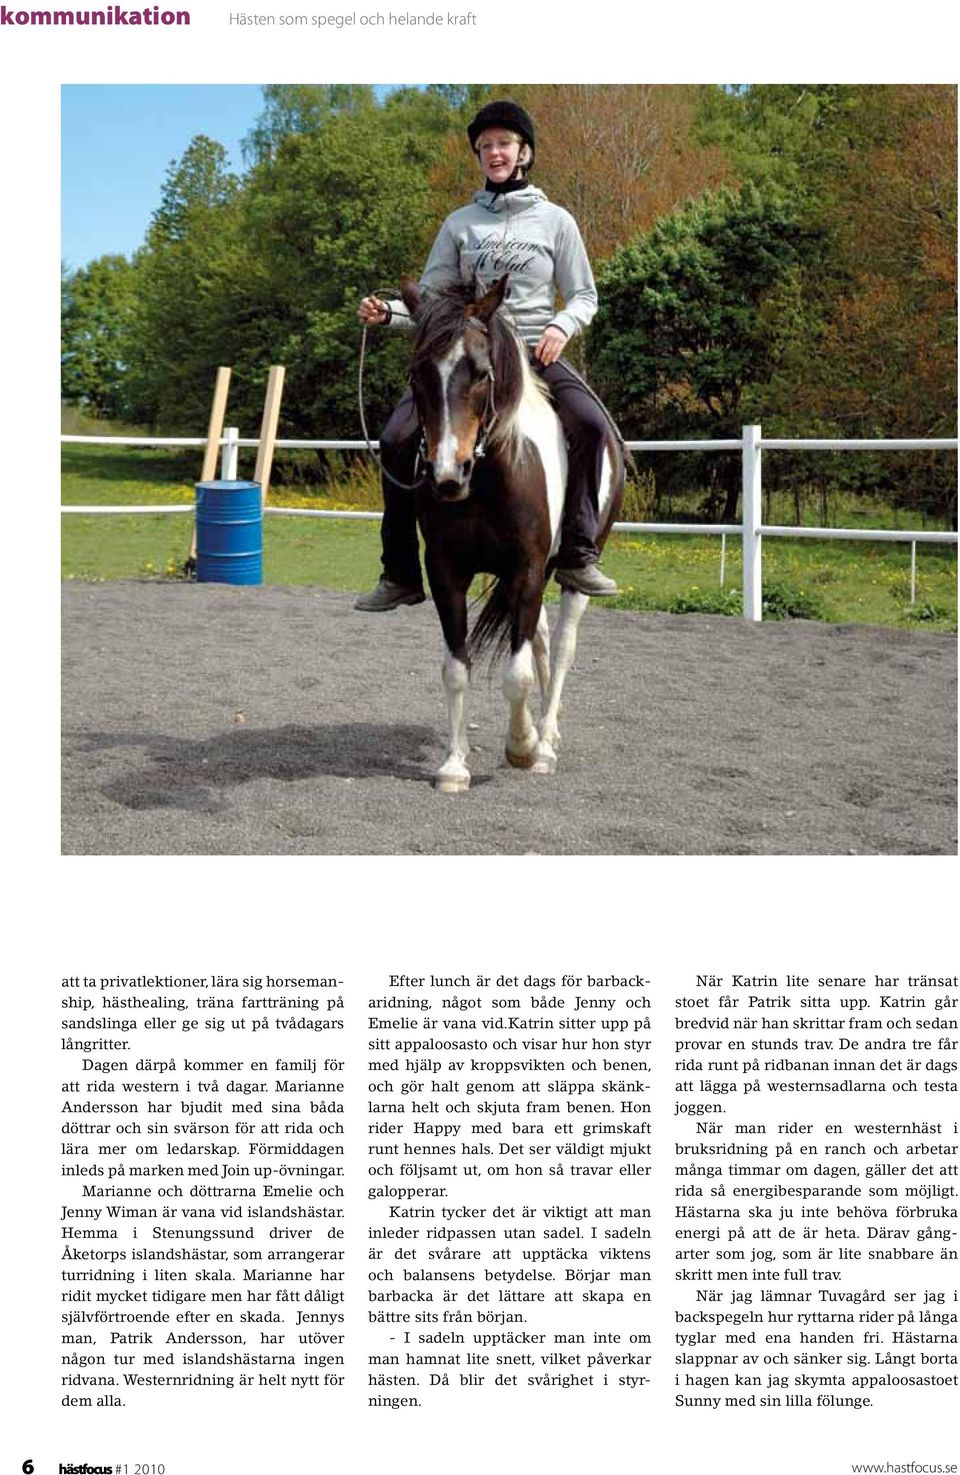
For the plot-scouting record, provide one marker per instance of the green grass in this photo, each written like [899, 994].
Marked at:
[836, 581]
[867, 583]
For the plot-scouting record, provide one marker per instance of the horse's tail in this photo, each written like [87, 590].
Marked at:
[491, 628]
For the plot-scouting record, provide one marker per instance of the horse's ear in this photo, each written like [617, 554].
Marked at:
[411, 294]
[488, 304]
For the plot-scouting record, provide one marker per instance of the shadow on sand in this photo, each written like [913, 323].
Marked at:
[186, 774]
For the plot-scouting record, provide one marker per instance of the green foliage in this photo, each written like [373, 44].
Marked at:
[860, 582]
[926, 613]
[872, 350]
[695, 320]
[639, 498]
[271, 270]
[818, 295]
[291, 107]
[331, 217]
[689, 318]
[97, 311]
[788, 135]
[697, 601]
[780, 602]
[784, 602]
[185, 277]
[194, 185]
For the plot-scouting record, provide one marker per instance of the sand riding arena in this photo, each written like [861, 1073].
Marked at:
[212, 720]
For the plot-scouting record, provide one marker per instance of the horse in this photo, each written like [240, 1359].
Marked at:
[491, 501]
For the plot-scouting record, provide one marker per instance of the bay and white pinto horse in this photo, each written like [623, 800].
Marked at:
[491, 502]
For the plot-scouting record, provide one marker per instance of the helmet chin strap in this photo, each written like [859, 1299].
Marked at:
[515, 181]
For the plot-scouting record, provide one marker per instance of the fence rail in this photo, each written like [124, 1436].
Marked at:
[751, 529]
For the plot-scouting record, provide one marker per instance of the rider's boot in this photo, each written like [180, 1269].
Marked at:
[588, 579]
[388, 595]
[401, 581]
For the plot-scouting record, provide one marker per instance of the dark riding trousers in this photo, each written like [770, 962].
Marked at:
[585, 426]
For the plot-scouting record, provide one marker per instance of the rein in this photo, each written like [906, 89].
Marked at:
[404, 485]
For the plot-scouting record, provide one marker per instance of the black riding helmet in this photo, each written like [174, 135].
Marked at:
[504, 114]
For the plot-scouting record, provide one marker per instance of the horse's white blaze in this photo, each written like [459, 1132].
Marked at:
[445, 465]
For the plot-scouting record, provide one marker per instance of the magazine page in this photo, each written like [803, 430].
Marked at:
[484, 988]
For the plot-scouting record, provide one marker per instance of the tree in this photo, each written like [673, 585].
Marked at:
[193, 254]
[97, 307]
[331, 217]
[896, 230]
[820, 296]
[197, 183]
[616, 157]
[781, 135]
[302, 108]
[691, 322]
[874, 167]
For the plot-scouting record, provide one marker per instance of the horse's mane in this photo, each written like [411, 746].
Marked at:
[441, 321]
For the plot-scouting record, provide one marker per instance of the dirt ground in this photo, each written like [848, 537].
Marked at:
[212, 720]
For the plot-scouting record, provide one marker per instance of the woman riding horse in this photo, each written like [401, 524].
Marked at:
[511, 229]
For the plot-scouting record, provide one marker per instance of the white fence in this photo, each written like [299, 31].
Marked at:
[751, 529]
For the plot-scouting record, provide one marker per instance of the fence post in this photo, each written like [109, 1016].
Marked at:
[723, 558]
[913, 572]
[751, 513]
[231, 451]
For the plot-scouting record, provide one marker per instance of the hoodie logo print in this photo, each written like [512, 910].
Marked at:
[496, 256]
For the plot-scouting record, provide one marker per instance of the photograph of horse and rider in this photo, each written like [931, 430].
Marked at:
[774, 253]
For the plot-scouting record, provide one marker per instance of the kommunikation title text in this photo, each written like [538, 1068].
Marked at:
[112, 15]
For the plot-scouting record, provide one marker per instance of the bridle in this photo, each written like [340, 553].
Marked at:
[487, 421]
[490, 414]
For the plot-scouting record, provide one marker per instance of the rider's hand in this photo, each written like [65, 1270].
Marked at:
[372, 310]
[552, 343]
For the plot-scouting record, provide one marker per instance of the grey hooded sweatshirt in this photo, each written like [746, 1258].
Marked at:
[522, 235]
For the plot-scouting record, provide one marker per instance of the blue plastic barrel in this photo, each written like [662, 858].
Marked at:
[229, 532]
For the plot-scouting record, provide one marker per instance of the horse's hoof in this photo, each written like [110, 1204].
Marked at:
[546, 759]
[452, 783]
[522, 760]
